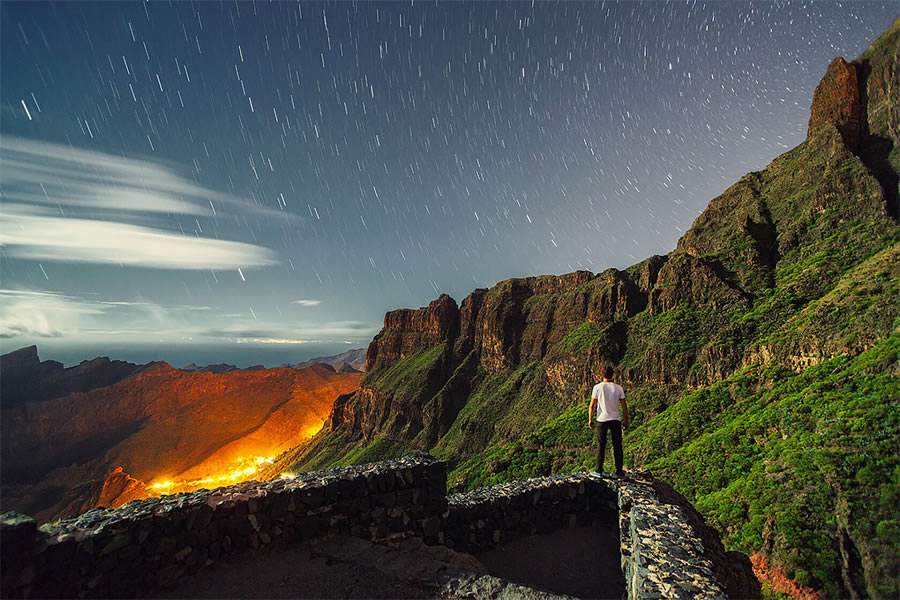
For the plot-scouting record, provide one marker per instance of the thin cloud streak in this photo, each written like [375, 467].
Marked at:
[308, 302]
[54, 174]
[51, 174]
[45, 237]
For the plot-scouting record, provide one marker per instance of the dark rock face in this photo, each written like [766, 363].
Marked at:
[836, 102]
[25, 378]
[408, 331]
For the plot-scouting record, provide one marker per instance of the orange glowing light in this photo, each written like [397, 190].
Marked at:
[241, 469]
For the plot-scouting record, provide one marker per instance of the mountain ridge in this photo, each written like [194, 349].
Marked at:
[789, 270]
[155, 431]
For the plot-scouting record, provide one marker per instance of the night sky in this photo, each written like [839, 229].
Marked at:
[223, 181]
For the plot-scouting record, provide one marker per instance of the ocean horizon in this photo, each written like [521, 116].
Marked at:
[242, 355]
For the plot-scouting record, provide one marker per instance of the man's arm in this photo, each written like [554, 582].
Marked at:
[624, 412]
[591, 412]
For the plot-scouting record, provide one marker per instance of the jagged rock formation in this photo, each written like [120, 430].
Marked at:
[733, 349]
[836, 103]
[109, 445]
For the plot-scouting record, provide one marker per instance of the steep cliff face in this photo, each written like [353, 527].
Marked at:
[407, 332]
[786, 279]
[836, 102]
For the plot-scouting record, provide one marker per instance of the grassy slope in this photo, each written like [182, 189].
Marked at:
[782, 463]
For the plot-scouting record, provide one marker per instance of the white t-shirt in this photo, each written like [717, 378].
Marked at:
[608, 395]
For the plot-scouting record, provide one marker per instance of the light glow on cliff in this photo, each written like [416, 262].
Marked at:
[239, 470]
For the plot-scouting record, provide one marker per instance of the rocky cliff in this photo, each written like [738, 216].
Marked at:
[760, 356]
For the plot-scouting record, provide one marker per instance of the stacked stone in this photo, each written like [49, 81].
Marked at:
[145, 544]
[490, 516]
[663, 557]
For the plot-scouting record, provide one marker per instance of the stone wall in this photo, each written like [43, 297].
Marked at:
[492, 516]
[666, 550]
[146, 544]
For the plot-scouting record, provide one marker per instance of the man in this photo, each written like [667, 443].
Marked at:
[607, 398]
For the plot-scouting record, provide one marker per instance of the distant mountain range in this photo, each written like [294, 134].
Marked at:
[351, 361]
[25, 378]
[343, 362]
[106, 432]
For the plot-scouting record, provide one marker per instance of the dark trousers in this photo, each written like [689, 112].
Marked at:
[615, 430]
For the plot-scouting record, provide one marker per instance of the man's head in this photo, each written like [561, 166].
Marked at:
[607, 372]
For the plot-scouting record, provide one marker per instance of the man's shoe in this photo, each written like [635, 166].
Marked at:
[620, 473]
[596, 473]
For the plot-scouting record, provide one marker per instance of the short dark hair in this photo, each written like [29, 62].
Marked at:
[607, 372]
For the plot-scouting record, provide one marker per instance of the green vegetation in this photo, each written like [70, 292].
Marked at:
[773, 459]
[503, 407]
[580, 339]
[379, 449]
[796, 463]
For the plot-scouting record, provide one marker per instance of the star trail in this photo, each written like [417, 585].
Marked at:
[260, 182]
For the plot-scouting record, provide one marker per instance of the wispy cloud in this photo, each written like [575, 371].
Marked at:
[73, 205]
[52, 174]
[335, 330]
[29, 315]
[41, 314]
[308, 302]
[46, 237]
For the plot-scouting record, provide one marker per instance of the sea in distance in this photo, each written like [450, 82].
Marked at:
[242, 355]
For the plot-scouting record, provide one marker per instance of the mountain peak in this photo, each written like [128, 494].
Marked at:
[836, 102]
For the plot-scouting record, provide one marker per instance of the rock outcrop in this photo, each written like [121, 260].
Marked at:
[407, 332]
[836, 102]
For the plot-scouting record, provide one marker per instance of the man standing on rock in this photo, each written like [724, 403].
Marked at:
[607, 398]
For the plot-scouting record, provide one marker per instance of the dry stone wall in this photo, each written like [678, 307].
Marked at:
[663, 553]
[147, 544]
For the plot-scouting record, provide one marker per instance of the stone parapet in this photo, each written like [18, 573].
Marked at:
[145, 544]
[663, 554]
[492, 516]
